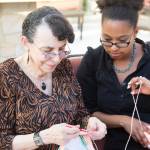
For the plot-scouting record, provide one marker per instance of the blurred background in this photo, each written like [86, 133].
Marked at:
[83, 15]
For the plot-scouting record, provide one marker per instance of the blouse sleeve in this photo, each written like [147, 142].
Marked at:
[87, 78]
[7, 114]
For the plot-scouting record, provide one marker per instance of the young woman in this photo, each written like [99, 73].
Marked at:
[105, 72]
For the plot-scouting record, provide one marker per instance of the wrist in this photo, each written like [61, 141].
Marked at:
[124, 121]
[37, 139]
[48, 136]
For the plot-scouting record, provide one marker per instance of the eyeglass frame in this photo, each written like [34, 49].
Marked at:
[112, 43]
[66, 53]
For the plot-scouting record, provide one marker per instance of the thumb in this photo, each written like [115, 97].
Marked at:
[92, 125]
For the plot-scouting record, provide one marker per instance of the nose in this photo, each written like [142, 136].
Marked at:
[114, 47]
[56, 58]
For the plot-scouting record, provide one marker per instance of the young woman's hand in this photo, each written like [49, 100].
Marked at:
[137, 131]
[96, 129]
[135, 82]
[60, 134]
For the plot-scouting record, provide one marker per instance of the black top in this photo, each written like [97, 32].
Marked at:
[103, 92]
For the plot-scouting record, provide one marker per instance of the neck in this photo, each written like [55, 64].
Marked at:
[31, 68]
[129, 65]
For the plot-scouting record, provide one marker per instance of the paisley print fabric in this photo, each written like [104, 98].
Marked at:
[25, 109]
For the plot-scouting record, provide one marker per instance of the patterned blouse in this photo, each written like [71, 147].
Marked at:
[24, 109]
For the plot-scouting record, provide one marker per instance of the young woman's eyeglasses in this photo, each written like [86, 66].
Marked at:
[117, 44]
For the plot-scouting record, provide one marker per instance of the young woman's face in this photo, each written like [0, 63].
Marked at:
[46, 51]
[117, 38]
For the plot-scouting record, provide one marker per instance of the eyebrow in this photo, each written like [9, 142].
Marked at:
[49, 47]
[122, 36]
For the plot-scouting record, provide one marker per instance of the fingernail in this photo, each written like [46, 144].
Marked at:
[128, 87]
[148, 146]
[137, 83]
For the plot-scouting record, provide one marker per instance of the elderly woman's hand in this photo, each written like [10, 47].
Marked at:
[135, 83]
[96, 128]
[60, 134]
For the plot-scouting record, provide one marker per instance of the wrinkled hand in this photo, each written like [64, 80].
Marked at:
[60, 134]
[135, 82]
[137, 131]
[96, 128]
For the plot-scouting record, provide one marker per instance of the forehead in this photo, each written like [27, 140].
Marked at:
[116, 28]
[44, 37]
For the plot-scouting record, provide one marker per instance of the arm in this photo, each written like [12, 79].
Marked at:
[86, 77]
[24, 142]
[57, 134]
[8, 138]
[7, 114]
[112, 121]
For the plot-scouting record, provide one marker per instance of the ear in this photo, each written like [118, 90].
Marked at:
[24, 41]
[136, 30]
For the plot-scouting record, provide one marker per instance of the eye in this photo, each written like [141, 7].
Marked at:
[122, 41]
[62, 48]
[46, 49]
[107, 39]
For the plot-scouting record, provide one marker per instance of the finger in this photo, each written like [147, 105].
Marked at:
[71, 130]
[147, 128]
[92, 125]
[71, 136]
[132, 82]
[135, 84]
[142, 138]
[134, 92]
[83, 132]
[134, 137]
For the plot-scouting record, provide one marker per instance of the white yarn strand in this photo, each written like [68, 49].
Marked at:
[135, 100]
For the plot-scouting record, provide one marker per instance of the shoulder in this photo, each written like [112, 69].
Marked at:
[94, 52]
[145, 45]
[7, 67]
[7, 76]
[64, 68]
[92, 57]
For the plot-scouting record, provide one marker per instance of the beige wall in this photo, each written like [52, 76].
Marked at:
[11, 18]
[12, 13]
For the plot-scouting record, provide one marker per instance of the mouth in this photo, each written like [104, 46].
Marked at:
[115, 54]
[51, 66]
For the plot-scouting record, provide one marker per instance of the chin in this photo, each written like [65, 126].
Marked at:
[116, 57]
[49, 69]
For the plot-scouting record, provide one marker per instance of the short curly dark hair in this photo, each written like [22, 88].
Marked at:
[59, 25]
[121, 10]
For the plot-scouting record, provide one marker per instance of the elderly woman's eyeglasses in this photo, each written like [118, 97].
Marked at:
[45, 51]
[61, 54]
[117, 44]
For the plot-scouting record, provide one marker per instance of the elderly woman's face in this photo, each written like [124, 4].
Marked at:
[46, 51]
[117, 38]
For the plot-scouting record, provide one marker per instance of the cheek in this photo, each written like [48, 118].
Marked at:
[38, 59]
[107, 50]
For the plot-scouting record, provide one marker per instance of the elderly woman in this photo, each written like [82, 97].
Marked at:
[39, 96]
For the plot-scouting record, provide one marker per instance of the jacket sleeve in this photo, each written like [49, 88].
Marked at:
[86, 76]
[81, 112]
[7, 114]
